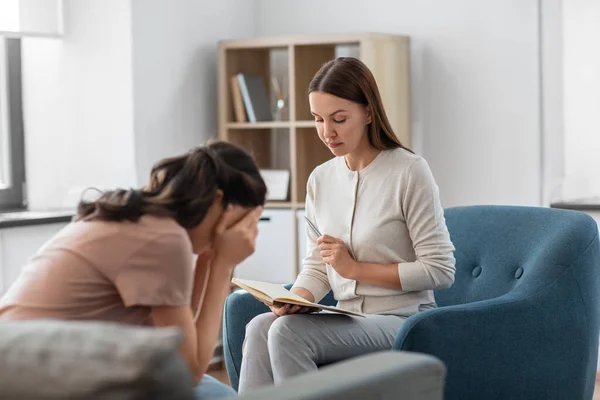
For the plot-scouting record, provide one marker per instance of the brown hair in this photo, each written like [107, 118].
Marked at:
[184, 187]
[350, 79]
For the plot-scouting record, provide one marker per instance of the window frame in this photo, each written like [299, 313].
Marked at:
[11, 124]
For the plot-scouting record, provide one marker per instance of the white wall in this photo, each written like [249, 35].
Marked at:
[135, 80]
[174, 62]
[553, 149]
[78, 104]
[131, 81]
[41, 17]
[30, 17]
[9, 15]
[581, 38]
[475, 84]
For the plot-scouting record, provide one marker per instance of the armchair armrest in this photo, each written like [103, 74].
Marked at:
[240, 309]
[514, 342]
[383, 375]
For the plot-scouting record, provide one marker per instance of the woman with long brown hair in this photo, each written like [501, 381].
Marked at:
[385, 246]
[128, 256]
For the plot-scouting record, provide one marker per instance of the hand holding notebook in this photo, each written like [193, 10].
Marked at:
[272, 293]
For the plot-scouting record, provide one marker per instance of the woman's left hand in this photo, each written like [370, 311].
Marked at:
[335, 253]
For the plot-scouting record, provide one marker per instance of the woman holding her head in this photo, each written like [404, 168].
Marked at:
[128, 256]
[385, 245]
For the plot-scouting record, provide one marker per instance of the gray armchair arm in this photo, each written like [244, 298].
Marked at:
[384, 376]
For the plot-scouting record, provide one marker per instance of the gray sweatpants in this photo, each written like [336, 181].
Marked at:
[279, 348]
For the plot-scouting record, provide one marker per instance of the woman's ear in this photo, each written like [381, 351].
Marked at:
[218, 197]
[369, 117]
[217, 207]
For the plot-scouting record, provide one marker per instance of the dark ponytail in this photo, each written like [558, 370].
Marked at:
[184, 187]
[114, 205]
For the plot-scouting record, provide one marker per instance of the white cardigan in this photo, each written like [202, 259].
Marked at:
[387, 213]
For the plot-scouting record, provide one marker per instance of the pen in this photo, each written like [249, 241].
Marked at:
[316, 231]
[313, 227]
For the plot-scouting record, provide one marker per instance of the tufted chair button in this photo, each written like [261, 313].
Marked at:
[476, 272]
[518, 273]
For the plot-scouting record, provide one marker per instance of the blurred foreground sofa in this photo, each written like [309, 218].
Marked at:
[97, 361]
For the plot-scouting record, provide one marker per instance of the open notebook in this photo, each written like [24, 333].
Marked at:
[273, 293]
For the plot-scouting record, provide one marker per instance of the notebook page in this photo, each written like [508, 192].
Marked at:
[272, 290]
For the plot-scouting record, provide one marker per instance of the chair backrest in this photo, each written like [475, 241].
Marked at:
[522, 317]
[502, 249]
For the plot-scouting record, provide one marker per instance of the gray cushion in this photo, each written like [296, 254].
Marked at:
[91, 360]
[384, 375]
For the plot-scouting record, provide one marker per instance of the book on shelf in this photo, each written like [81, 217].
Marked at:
[238, 103]
[254, 95]
[274, 294]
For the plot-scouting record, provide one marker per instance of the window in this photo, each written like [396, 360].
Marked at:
[12, 155]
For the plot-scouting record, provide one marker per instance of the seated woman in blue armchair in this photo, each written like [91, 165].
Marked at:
[385, 245]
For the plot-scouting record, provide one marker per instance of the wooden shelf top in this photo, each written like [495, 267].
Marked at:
[278, 204]
[259, 125]
[284, 204]
[304, 124]
[270, 124]
[304, 40]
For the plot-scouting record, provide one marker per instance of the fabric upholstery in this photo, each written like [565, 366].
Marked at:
[91, 360]
[382, 375]
[522, 318]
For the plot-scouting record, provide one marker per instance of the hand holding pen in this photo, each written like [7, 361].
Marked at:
[334, 252]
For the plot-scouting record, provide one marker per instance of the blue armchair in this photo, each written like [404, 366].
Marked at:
[522, 318]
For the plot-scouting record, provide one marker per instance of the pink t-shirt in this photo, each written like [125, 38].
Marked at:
[108, 271]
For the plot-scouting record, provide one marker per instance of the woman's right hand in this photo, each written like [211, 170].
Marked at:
[235, 241]
[287, 309]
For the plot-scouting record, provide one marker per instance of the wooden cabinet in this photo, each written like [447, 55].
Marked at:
[289, 141]
[274, 259]
[301, 235]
